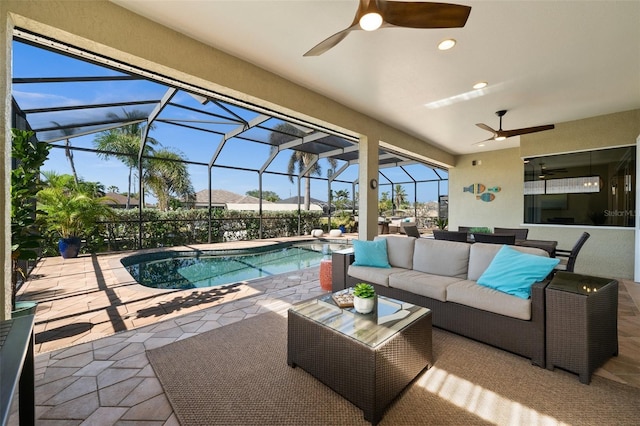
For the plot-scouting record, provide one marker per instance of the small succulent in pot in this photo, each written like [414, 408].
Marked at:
[364, 291]
[363, 298]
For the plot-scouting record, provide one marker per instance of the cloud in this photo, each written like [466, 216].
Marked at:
[29, 100]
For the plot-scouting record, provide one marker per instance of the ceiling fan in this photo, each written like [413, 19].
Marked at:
[374, 14]
[545, 171]
[500, 135]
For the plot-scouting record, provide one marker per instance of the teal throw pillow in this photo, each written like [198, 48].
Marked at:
[371, 253]
[514, 272]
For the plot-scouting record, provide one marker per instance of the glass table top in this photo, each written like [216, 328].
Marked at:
[576, 283]
[389, 316]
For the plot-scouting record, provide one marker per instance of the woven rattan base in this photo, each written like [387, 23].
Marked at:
[370, 377]
[582, 329]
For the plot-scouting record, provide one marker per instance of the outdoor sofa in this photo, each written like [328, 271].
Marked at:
[442, 276]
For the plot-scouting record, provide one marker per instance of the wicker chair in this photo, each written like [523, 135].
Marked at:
[568, 257]
[450, 235]
[411, 231]
[520, 233]
[509, 239]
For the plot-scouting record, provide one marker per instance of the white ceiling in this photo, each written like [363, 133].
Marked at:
[545, 61]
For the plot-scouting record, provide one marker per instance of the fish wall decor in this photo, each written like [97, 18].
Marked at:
[487, 196]
[475, 188]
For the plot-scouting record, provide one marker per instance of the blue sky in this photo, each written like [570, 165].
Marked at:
[196, 146]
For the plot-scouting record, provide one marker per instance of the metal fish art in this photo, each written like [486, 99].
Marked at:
[494, 189]
[487, 196]
[476, 188]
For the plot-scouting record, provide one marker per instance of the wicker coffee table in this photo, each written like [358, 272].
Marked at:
[368, 359]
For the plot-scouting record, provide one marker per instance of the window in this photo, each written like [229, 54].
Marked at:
[585, 188]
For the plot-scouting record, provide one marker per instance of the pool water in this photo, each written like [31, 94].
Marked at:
[198, 269]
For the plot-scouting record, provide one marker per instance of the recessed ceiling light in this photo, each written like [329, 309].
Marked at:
[480, 85]
[446, 44]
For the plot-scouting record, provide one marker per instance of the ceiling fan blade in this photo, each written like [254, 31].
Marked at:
[330, 42]
[424, 15]
[527, 130]
[487, 128]
[482, 142]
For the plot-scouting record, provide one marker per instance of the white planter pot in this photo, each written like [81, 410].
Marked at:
[363, 306]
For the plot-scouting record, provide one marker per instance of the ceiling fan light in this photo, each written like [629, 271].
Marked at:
[500, 138]
[447, 44]
[371, 21]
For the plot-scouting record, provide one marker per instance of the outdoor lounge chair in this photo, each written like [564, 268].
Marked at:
[520, 233]
[450, 235]
[509, 239]
[411, 231]
[568, 257]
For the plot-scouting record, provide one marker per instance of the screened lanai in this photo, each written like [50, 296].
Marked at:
[69, 96]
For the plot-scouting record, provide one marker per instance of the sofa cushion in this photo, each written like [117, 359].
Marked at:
[433, 286]
[399, 250]
[372, 275]
[439, 257]
[371, 253]
[514, 273]
[471, 294]
[481, 255]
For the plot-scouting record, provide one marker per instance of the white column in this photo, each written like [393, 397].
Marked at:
[368, 188]
[6, 30]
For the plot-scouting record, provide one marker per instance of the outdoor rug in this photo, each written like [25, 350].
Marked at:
[238, 375]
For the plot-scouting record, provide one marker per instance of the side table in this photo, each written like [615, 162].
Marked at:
[581, 323]
[325, 274]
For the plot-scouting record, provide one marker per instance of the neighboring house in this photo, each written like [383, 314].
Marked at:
[221, 199]
[270, 207]
[119, 201]
[313, 203]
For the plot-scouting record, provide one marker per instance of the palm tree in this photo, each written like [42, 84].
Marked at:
[166, 176]
[124, 143]
[67, 148]
[285, 132]
[400, 196]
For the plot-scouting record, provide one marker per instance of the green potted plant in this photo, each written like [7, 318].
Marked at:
[71, 211]
[29, 155]
[441, 223]
[363, 298]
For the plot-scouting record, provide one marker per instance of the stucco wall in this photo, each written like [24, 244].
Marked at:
[501, 168]
[609, 252]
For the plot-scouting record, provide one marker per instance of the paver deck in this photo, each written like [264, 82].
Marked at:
[94, 324]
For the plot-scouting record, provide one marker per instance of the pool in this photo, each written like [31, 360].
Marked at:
[211, 268]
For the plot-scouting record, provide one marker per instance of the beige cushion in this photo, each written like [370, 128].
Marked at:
[476, 296]
[439, 257]
[481, 255]
[433, 286]
[399, 250]
[372, 275]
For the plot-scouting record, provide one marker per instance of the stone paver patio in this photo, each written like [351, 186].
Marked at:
[94, 324]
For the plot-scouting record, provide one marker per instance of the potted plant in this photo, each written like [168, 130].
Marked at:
[71, 211]
[363, 298]
[29, 155]
[441, 223]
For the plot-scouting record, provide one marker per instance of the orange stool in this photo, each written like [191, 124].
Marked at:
[325, 274]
